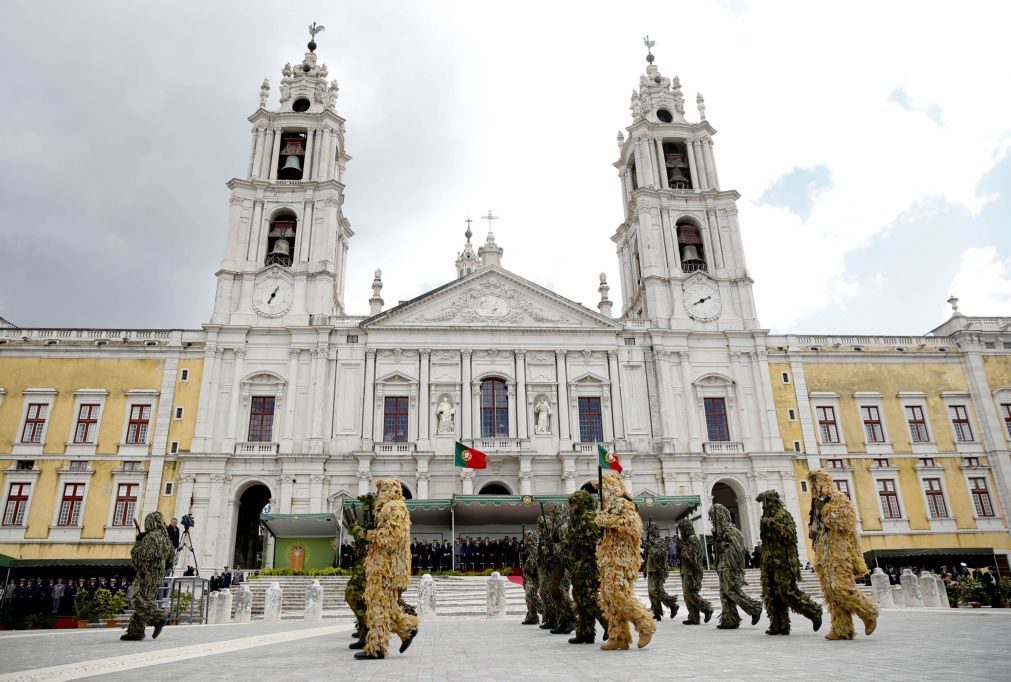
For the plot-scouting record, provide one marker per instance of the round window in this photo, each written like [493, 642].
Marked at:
[302, 104]
[664, 116]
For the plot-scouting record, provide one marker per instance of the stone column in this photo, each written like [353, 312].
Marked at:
[660, 360]
[233, 401]
[268, 145]
[422, 479]
[700, 164]
[258, 153]
[640, 163]
[694, 441]
[692, 169]
[275, 155]
[326, 154]
[617, 409]
[526, 486]
[521, 394]
[302, 250]
[319, 384]
[254, 230]
[316, 494]
[369, 403]
[562, 375]
[291, 395]
[424, 402]
[661, 164]
[466, 403]
[254, 138]
[711, 162]
[310, 140]
[710, 169]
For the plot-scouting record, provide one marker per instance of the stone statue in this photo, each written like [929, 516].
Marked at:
[542, 413]
[264, 92]
[446, 414]
[331, 95]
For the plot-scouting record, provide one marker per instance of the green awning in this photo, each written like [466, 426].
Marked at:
[6, 561]
[953, 551]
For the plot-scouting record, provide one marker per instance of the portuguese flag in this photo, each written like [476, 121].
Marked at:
[469, 457]
[608, 460]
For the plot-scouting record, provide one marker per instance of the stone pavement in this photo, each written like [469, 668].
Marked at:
[964, 644]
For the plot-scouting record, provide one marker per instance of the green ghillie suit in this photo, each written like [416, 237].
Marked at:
[152, 556]
[582, 562]
[558, 574]
[657, 570]
[781, 568]
[531, 576]
[549, 612]
[354, 591]
[730, 567]
[837, 558]
[691, 561]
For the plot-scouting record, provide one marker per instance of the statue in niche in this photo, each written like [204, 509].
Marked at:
[446, 414]
[542, 415]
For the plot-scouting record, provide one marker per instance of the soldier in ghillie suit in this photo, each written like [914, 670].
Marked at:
[152, 556]
[730, 567]
[545, 558]
[691, 562]
[558, 574]
[781, 568]
[387, 572]
[657, 570]
[618, 562]
[582, 542]
[837, 557]
[354, 591]
[531, 576]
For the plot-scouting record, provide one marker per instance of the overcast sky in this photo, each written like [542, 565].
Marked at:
[869, 142]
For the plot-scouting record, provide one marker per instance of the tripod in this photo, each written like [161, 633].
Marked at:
[186, 543]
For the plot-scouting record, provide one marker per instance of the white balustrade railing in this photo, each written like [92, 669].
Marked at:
[394, 448]
[723, 447]
[256, 448]
[500, 444]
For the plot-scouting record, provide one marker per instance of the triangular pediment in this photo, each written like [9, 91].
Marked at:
[492, 297]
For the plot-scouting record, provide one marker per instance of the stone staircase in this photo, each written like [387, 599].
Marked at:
[465, 596]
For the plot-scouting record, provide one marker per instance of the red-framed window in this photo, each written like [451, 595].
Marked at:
[917, 424]
[17, 504]
[960, 422]
[395, 418]
[835, 464]
[981, 497]
[717, 427]
[935, 498]
[35, 423]
[126, 504]
[927, 461]
[970, 461]
[827, 424]
[494, 409]
[873, 430]
[140, 420]
[70, 507]
[591, 425]
[261, 419]
[881, 462]
[889, 499]
[87, 423]
[1005, 410]
[843, 486]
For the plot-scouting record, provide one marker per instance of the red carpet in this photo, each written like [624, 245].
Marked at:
[518, 579]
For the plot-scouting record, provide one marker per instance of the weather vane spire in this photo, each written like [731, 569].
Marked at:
[313, 31]
[649, 48]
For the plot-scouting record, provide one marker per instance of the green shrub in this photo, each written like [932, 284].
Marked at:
[108, 603]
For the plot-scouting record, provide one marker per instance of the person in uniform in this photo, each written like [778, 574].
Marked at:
[152, 555]
[691, 565]
[531, 578]
[730, 553]
[354, 590]
[657, 570]
[581, 543]
[545, 558]
[558, 574]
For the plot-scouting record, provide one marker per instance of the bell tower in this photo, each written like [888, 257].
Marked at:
[679, 248]
[286, 249]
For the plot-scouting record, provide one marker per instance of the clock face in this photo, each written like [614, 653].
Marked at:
[702, 301]
[272, 296]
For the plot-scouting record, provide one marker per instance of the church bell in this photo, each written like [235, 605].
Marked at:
[690, 255]
[281, 247]
[292, 163]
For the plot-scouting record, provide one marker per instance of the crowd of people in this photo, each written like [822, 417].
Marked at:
[25, 597]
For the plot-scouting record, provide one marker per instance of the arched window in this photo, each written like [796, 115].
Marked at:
[494, 409]
[281, 239]
[690, 248]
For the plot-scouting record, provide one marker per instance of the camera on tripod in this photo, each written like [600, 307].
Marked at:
[188, 521]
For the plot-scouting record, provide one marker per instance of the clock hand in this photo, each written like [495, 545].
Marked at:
[702, 300]
[274, 293]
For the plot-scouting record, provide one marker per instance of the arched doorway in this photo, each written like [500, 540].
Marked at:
[589, 487]
[406, 491]
[494, 489]
[725, 495]
[249, 537]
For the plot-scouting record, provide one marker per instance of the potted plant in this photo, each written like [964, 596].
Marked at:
[1004, 589]
[37, 621]
[970, 591]
[84, 608]
[108, 605]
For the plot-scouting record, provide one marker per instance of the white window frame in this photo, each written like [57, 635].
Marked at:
[134, 397]
[86, 396]
[828, 399]
[58, 533]
[124, 533]
[894, 525]
[14, 476]
[873, 399]
[949, 523]
[1002, 396]
[178, 413]
[995, 522]
[918, 399]
[184, 375]
[45, 396]
[963, 399]
[791, 414]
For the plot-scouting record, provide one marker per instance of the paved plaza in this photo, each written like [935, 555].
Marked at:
[909, 644]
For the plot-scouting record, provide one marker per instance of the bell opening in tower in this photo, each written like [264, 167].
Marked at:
[635, 180]
[690, 247]
[676, 163]
[291, 156]
[281, 240]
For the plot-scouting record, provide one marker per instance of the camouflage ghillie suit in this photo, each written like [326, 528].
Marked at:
[691, 563]
[354, 591]
[730, 567]
[558, 574]
[152, 557]
[545, 558]
[531, 576]
[387, 572]
[582, 542]
[618, 562]
[781, 568]
[837, 557]
[657, 570]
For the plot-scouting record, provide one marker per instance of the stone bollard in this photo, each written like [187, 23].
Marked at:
[898, 596]
[496, 596]
[244, 605]
[314, 602]
[942, 593]
[911, 588]
[928, 588]
[225, 606]
[426, 597]
[882, 589]
[213, 599]
[272, 603]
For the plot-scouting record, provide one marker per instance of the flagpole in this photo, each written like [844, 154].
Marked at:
[600, 485]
